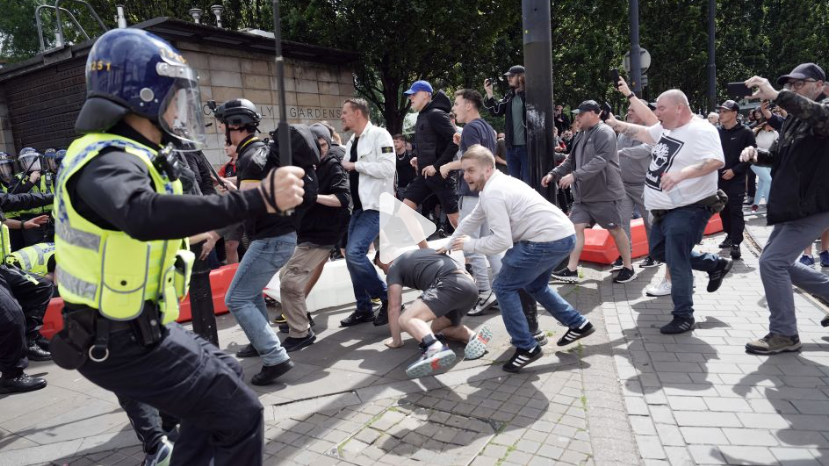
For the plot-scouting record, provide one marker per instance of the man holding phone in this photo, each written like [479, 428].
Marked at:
[734, 138]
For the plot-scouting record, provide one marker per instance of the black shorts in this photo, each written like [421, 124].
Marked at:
[421, 188]
[451, 296]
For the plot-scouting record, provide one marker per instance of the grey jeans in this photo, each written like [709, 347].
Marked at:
[779, 269]
[634, 197]
[479, 261]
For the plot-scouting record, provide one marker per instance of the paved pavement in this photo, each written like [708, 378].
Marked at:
[625, 395]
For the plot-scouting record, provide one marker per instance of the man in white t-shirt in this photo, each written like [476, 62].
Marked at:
[681, 178]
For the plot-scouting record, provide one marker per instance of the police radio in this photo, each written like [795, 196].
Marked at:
[166, 161]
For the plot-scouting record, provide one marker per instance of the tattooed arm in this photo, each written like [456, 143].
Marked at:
[702, 168]
[636, 132]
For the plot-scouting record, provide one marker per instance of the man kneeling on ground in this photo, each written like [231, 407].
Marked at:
[448, 293]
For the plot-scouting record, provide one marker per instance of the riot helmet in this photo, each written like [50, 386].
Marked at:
[6, 168]
[237, 113]
[30, 160]
[50, 159]
[134, 71]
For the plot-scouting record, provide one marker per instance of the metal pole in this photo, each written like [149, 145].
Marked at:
[634, 29]
[283, 126]
[538, 67]
[711, 65]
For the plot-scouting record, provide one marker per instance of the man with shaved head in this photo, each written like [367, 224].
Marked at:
[681, 191]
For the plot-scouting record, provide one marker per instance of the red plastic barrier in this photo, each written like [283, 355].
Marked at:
[601, 249]
[220, 280]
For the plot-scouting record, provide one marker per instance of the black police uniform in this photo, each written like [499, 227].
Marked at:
[182, 374]
[22, 300]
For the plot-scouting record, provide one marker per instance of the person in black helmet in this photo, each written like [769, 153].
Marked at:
[273, 239]
[123, 266]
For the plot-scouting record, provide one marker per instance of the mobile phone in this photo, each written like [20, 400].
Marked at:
[615, 76]
[606, 111]
[737, 90]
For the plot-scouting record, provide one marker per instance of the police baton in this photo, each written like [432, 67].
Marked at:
[283, 126]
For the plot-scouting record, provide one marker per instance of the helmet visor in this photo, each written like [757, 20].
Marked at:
[30, 162]
[181, 113]
[52, 164]
[6, 169]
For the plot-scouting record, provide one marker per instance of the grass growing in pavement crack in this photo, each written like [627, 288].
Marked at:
[584, 401]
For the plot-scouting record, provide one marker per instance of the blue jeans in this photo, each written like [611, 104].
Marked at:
[763, 187]
[362, 231]
[528, 266]
[671, 240]
[517, 163]
[245, 298]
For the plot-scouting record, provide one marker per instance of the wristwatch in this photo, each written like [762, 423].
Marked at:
[630, 96]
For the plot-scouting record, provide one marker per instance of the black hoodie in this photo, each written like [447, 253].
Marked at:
[433, 143]
[733, 141]
[324, 225]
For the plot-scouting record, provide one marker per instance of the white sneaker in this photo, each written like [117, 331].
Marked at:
[663, 289]
[485, 301]
[163, 454]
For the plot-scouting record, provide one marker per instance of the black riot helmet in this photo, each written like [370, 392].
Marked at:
[237, 113]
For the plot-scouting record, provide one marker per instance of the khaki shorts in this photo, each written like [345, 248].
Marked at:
[604, 213]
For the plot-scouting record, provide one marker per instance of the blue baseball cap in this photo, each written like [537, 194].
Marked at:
[419, 86]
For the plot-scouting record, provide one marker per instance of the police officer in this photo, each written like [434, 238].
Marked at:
[6, 172]
[33, 179]
[122, 264]
[38, 259]
[18, 297]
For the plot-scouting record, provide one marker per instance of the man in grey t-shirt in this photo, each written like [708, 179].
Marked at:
[448, 293]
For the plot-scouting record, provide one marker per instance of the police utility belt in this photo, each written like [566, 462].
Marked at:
[714, 203]
[86, 334]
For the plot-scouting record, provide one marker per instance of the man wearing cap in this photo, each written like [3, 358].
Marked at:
[734, 138]
[434, 147]
[799, 214]
[593, 171]
[512, 108]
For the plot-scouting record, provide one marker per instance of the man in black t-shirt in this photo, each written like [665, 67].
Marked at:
[448, 293]
[405, 171]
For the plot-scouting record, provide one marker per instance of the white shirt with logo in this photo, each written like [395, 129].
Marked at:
[675, 150]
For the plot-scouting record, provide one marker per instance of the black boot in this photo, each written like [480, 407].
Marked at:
[20, 383]
[268, 374]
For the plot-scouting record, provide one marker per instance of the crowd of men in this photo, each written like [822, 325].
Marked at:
[665, 164]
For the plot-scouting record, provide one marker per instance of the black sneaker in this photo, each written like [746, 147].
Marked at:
[356, 318]
[824, 322]
[36, 353]
[382, 316]
[21, 383]
[648, 263]
[268, 374]
[617, 264]
[566, 276]
[521, 358]
[625, 275]
[678, 325]
[294, 344]
[735, 251]
[577, 333]
[248, 351]
[726, 243]
[717, 275]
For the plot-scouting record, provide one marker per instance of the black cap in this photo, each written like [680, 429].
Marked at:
[730, 105]
[652, 105]
[517, 69]
[803, 71]
[589, 106]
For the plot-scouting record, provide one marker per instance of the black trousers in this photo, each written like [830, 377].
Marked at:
[32, 294]
[12, 332]
[148, 423]
[732, 216]
[187, 377]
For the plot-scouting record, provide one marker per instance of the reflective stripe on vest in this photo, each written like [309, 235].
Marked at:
[33, 259]
[105, 269]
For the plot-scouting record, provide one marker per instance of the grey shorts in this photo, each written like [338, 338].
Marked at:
[451, 296]
[605, 213]
[232, 232]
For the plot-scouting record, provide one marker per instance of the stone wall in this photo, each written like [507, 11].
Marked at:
[314, 91]
[6, 142]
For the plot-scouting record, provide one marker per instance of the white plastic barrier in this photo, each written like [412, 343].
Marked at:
[334, 288]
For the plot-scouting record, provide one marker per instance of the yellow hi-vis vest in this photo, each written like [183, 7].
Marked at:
[5, 243]
[43, 186]
[108, 270]
[33, 259]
